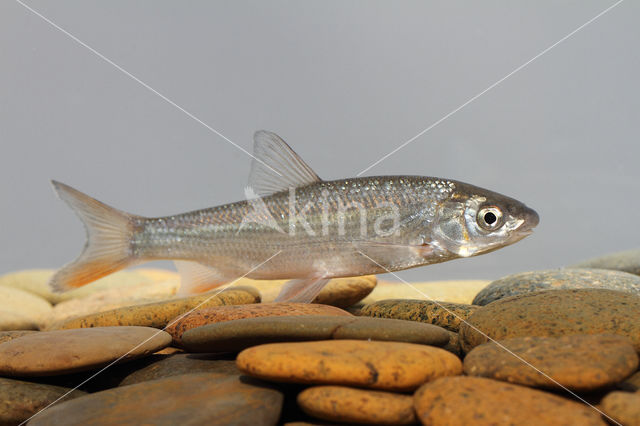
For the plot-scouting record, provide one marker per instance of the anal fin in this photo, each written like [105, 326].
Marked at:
[198, 278]
[301, 290]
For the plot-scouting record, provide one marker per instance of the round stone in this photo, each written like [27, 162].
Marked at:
[625, 261]
[34, 281]
[37, 281]
[53, 353]
[348, 405]
[557, 279]
[218, 314]
[376, 365]
[25, 305]
[555, 313]
[344, 292]
[174, 365]
[239, 334]
[577, 362]
[109, 299]
[203, 398]
[444, 314]
[479, 401]
[159, 314]
[340, 292]
[20, 400]
[462, 291]
[623, 407]
[15, 321]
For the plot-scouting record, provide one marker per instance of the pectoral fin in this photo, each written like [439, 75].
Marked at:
[301, 290]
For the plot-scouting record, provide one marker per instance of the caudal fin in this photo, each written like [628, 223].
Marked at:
[109, 233]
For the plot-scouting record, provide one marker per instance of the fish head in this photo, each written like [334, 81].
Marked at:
[475, 221]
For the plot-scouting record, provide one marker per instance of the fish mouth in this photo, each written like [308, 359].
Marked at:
[530, 220]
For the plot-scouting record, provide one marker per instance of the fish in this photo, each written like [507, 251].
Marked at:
[296, 226]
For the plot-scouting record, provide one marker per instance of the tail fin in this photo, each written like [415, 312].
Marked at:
[109, 233]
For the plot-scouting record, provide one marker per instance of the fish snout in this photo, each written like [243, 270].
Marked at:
[531, 220]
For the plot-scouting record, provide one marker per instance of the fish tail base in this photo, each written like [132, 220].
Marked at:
[108, 247]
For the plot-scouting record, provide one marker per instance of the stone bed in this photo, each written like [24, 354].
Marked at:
[556, 347]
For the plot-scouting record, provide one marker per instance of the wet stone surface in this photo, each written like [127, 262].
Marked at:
[239, 334]
[376, 365]
[578, 362]
[557, 279]
[555, 313]
[443, 314]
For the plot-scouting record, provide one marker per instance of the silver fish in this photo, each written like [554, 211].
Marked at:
[309, 229]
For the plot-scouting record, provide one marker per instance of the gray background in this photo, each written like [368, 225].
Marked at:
[344, 83]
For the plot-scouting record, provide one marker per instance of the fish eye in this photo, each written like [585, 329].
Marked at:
[490, 218]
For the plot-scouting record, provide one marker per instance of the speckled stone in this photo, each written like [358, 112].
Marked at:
[557, 279]
[375, 365]
[554, 313]
[242, 333]
[109, 299]
[66, 351]
[159, 314]
[173, 365]
[339, 292]
[218, 314]
[625, 261]
[20, 400]
[348, 405]
[478, 401]
[203, 398]
[623, 407]
[578, 362]
[460, 291]
[5, 336]
[443, 314]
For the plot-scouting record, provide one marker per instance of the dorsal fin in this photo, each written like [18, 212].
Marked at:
[277, 167]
